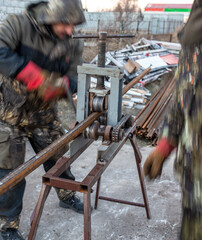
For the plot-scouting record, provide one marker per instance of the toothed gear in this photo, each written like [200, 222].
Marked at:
[116, 134]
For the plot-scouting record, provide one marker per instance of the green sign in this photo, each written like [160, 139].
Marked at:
[177, 10]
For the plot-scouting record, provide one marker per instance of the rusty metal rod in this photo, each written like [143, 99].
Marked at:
[156, 121]
[157, 115]
[157, 110]
[26, 168]
[161, 102]
[162, 106]
[155, 141]
[142, 116]
[147, 105]
[122, 201]
[143, 125]
[22, 171]
[135, 80]
[108, 36]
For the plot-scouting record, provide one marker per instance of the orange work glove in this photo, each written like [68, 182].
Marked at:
[154, 163]
[48, 85]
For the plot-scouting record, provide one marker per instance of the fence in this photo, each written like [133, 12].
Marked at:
[104, 21]
[107, 21]
[154, 26]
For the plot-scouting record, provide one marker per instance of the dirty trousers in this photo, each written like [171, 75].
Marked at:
[12, 149]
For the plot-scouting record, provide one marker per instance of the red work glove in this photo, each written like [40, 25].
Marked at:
[31, 76]
[154, 163]
[48, 85]
[53, 87]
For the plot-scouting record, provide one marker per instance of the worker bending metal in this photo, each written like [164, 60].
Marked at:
[38, 61]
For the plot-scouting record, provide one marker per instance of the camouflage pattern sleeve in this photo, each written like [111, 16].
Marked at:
[174, 121]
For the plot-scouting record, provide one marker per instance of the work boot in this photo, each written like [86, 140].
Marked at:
[11, 234]
[73, 203]
[69, 174]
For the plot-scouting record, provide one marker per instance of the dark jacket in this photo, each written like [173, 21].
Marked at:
[191, 33]
[23, 39]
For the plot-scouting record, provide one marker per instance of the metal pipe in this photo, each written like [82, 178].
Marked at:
[147, 105]
[161, 102]
[108, 36]
[153, 107]
[161, 106]
[135, 80]
[26, 168]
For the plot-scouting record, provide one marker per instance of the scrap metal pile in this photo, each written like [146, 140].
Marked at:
[150, 118]
[162, 58]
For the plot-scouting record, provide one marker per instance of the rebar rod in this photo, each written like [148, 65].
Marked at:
[22, 171]
[108, 36]
[155, 107]
[135, 80]
[147, 105]
[29, 166]
[162, 104]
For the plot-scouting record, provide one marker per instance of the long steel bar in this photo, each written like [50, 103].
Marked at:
[157, 116]
[162, 105]
[153, 125]
[147, 105]
[146, 110]
[151, 121]
[157, 122]
[153, 114]
[18, 174]
[135, 80]
[161, 101]
[21, 172]
[154, 105]
[108, 36]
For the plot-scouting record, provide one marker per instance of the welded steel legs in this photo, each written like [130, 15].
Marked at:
[138, 158]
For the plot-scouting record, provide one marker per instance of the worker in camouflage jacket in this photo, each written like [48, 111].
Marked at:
[38, 61]
[183, 127]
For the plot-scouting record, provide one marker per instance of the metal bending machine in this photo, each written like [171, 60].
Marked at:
[109, 124]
